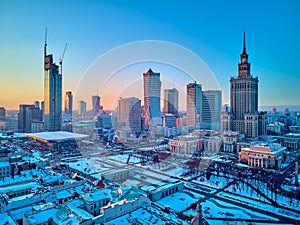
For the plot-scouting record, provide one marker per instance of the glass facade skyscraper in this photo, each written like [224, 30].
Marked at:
[193, 104]
[52, 94]
[152, 89]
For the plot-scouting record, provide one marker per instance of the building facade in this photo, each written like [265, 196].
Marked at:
[211, 109]
[152, 90]
[2, 112]
[69, 103]
[269, 156]
[96, 104]
[52, 94]
[129, 114]
[81, 108]
[184, 144]
[171, 101]
[4, 169]
[27, 115]
[194, 104]
[291, 141]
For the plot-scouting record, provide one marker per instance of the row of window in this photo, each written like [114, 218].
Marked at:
[4, 168]
[169, 192]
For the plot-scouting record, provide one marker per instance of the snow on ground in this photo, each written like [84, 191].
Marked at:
[220, 209]
[179, 201]
[124, 158]
[221, 222]
[246, 190]
[263, 206]
[148, 215]
[281, 200]
[214, 181]
[177, 171]
[149, 181]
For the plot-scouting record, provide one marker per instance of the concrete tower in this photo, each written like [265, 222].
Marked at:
[244, 116]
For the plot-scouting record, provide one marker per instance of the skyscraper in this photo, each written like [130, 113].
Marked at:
[171, 101]
[193, 104]
[243, 116]
[2, 112]
[69, 103]
[52, 93]
[96, 104]
[37, 104]
[129, 114]
[81, 108]
[152, 89]
[211, 109]
[27, 115]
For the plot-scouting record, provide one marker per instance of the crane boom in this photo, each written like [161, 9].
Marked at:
[63, 55]
[62, 58]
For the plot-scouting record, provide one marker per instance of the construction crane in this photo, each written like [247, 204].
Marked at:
[45, 46]
[62, 58]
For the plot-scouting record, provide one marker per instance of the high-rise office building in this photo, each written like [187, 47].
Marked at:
[96, 104]
[52, 93]
[37, 104]
[152, 89]
[27, 115]
[43, 106]
[193, 104]
[243, 116]
[2, 112]
[211, 109]
[69, 103]
[171, 101]
[129, 114]
[81, 108]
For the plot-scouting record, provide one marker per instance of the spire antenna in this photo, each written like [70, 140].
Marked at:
[244, 47]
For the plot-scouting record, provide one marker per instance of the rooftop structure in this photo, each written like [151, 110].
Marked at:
[58, 136]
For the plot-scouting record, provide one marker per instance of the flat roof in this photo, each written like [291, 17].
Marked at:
[56, 136]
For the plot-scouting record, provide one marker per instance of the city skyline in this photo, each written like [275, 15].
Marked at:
[271, 40]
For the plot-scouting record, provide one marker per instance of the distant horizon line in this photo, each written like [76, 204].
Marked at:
[261, 107]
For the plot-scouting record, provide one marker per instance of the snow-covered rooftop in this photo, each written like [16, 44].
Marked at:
[98, 195]
[4, 164]
[18, 187]
[57, 136]
[6, 219]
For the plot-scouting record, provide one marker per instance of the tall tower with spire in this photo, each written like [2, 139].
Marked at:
[52, 93]
[243, 100]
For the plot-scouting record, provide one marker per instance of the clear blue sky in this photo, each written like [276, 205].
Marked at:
[211, 29]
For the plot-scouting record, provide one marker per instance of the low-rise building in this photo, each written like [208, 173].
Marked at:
[230, 140]
[294, 129]
[275, 128]
[269, 156]
[184, 144]
[165, 190]
[211, 145]
[291, 141]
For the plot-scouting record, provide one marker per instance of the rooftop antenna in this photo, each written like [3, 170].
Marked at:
[45, 46]
[62, 58]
